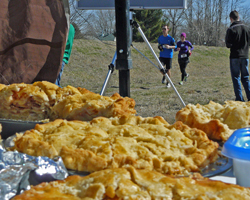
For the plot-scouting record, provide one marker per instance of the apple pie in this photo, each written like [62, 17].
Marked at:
[134, 184]
[24, 102]
[216, 120]
[88, 105]
[44, 100]
[145, 143]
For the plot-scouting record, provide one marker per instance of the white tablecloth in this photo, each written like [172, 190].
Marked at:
[227, 177]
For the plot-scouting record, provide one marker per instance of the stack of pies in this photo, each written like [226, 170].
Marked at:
[216, 120]
[131, 183]
[44, 100]
[128, 156]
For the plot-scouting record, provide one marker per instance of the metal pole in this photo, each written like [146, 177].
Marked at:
[111, 69]
[145, 56]
[156, 57]
[124, 83]
[123, 41]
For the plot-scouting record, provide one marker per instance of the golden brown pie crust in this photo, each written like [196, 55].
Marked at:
[129, 183]
[23, 102]
[216, 120]
[145, 143]
[44, 100]
[2, 86]
[88, 105]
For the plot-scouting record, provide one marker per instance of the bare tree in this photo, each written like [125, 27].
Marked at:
[244, 11]
[104, 21]
[91, 23]
[235, 4]
[82, 21]
[198, 21]
[175, 17]
[204, 21]
[219, 27]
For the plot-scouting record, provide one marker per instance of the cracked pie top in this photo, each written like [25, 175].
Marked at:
[216, 120]
[44, 100]
[145, 143]
[133, 184]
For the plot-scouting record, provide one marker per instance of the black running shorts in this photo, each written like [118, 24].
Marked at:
[166, 62]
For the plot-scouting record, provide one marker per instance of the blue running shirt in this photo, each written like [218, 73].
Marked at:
[166, 53]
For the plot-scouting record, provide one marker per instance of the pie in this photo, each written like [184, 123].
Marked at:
[216, 120]
[145, 143]
[50, 90]
[134, 184]
[44, 100]
[88, 105]
[2, 86]
[24, 102]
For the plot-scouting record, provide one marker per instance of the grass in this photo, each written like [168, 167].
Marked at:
[208, 68]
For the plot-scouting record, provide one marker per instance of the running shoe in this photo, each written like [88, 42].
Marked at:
[181, 82]
[168, 85]
[164, 81]
[185, 78]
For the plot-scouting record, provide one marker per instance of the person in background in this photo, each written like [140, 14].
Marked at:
[238, 40]
[166, 46]
[67, 52]
[183, 57]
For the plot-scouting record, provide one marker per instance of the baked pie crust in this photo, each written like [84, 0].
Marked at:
[2, 86]
[44, 100]
[130, 183]
[145, 143]
[216, 120]
[23, 102]
[88, 105]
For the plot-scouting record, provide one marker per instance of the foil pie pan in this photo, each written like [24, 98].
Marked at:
[19, 171]
[11, 127]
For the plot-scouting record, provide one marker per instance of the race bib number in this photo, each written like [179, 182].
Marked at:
[183, 55]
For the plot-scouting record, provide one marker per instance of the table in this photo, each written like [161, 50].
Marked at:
[227, 177]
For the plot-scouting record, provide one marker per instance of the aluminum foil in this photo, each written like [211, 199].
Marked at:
[19, 171]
